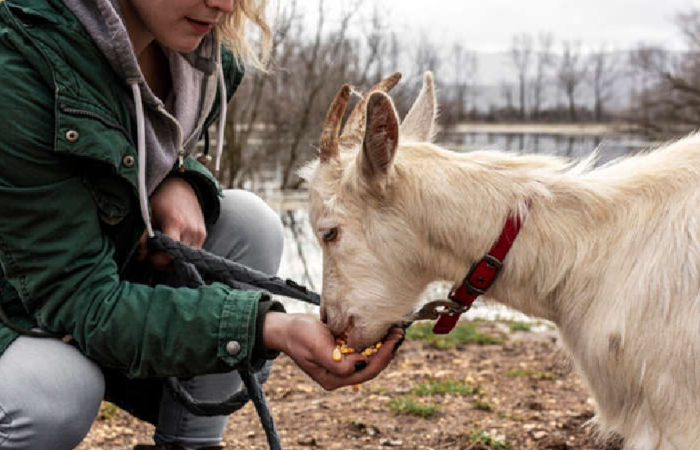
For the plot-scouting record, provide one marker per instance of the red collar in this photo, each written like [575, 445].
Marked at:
[480, 277]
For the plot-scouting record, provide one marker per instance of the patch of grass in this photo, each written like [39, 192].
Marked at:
[462, 334]
[432, 387]
[108, 411]
[408, 406]
[511, 416]
[482, 406]
[519, 326]
[530, 373]
[377, 389]
[484, 438]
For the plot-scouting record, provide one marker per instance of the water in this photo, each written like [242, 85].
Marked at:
[302, 259]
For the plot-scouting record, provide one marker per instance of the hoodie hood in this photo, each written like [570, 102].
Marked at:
[169, 129]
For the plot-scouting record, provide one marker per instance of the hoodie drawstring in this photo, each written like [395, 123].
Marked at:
[141, 141]
[141, 151]
[222, 117]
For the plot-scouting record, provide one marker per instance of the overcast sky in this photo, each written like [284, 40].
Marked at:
[489, 25]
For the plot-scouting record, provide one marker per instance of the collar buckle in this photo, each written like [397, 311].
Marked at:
[437, 308]
[480, 277]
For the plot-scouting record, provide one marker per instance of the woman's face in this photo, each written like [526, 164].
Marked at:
[178, 24]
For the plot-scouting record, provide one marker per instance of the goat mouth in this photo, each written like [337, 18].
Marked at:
[345, 328]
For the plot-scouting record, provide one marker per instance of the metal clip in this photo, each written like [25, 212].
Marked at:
[436, 308]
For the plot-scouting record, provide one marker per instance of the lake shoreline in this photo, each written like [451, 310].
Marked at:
[567, 129]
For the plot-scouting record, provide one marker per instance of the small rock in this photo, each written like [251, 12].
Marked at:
[307, 441]
[554, 443]
[391, 442]
[537, 435]
[535, 406]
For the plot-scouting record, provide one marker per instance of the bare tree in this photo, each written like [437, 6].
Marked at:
[376, 42]
[245, 111]
[571, 73]
[521, 53]
[645, 64]
[543, 63]
[689, 25]
[507, 93]
[427, 56]
[604, 71]
[316, 61]
[668, 101]
[463, 81]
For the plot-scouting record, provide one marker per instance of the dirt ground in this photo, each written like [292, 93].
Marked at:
[512, 390]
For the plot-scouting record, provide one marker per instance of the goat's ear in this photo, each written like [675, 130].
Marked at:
[419, 124]
[381, 137]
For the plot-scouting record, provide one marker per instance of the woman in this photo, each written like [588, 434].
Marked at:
[103, 101]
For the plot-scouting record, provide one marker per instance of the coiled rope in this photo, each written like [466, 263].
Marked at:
[196, 267]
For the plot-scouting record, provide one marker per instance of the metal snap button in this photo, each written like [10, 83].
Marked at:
[128, 161]
[72, 135]
[233, 348]
[204, 159]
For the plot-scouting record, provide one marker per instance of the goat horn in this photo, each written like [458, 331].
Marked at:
[356, 119]
[331, 128]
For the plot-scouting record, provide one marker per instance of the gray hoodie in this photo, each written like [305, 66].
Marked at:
[172, 127]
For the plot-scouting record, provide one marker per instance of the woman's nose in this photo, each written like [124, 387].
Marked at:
[225, 6]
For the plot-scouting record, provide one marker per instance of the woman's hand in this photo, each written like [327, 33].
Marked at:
[176, 212]
[310, 344]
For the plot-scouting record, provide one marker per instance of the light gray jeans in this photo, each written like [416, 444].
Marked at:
[50, 393]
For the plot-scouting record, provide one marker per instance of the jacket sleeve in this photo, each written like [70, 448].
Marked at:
[54, 252]
[205, 186]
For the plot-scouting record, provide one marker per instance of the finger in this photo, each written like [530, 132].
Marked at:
[194, 237]
[161, 260]
[324, 358]
[375, 364]
[349, 364]
[173, 229]
[143, 247]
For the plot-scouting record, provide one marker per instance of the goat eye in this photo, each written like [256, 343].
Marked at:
[330, 235]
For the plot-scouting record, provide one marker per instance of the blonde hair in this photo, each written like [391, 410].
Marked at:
[233, 32]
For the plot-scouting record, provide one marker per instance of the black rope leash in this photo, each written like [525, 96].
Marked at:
[196, 267]
[193, 268]
[214, 268]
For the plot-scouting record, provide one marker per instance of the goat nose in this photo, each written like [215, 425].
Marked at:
[324, 315]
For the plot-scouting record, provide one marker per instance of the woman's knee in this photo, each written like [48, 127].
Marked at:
[49, 395]
[248, 231]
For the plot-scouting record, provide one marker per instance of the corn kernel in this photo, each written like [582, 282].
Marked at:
[341, 347]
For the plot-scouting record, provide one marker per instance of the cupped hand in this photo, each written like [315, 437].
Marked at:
[175, 211]
[310, 344]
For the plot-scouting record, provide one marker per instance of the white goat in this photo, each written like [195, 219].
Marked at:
[611, 254]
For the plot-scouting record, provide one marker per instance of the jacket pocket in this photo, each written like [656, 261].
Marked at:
[111, 196]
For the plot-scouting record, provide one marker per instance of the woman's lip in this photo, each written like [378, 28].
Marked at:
[200, 27]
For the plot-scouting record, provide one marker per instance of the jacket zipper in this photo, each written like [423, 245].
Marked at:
[181, 149]
[181, 160]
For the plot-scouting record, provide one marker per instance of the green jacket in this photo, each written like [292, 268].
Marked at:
[69, 201]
